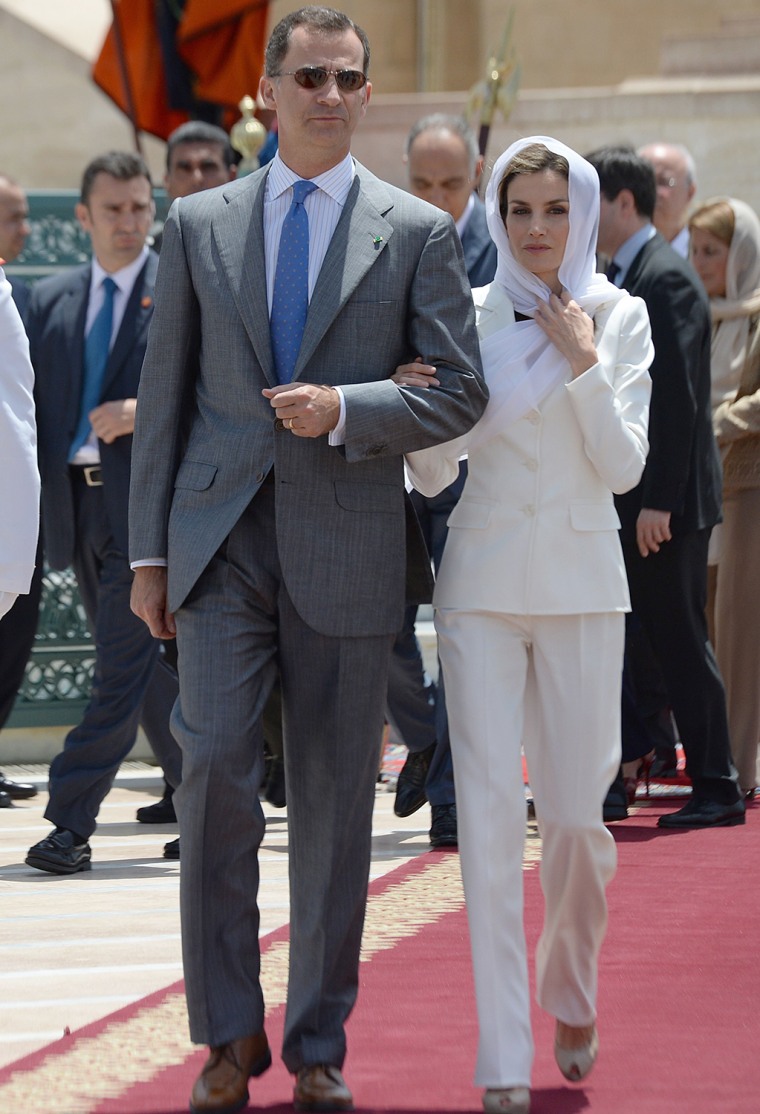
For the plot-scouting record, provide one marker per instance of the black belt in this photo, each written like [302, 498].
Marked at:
[89, 474]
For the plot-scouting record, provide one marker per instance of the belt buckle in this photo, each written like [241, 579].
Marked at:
[92, 475]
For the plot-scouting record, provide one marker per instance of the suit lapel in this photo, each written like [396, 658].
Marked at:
[640, 262]
[74, 317]
[137, 314]
[238, 234]
[361, 236]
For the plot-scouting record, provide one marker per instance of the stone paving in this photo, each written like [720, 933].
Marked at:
[74, 949]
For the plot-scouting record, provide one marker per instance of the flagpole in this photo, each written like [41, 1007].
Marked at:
[122, 58]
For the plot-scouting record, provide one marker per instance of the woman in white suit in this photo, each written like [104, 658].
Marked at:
[530, 602]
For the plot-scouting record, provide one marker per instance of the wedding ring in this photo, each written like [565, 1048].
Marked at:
[288, 423]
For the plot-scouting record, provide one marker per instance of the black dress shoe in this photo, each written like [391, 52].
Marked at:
[162, 812]
[5, 801]
[615, 805]
[60, 853]
[274, 791]
[410, 787]
[17, 790]
[443, 829]
[699, 813]
[171, 849]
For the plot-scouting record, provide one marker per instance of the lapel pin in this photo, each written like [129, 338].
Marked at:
[377, 241]
[146, 302]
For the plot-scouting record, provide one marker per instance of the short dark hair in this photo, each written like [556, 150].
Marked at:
[446, 122]
[621, 168]
[198, 131]
[325, 21]
[122, 165]
[530, 160]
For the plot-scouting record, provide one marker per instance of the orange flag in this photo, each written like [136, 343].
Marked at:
[223, 41]
[220, 41]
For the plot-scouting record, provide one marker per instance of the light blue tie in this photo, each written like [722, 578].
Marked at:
[96, 346]
[290, 299]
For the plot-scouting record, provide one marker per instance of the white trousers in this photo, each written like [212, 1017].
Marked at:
[552, 684]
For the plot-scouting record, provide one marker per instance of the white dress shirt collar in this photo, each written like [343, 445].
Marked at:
[336, 182]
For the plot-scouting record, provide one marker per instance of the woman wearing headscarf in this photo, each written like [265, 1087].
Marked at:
[725, 251]
[530, 602]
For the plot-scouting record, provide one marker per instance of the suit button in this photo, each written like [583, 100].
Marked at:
[279, 423]
[375, 450]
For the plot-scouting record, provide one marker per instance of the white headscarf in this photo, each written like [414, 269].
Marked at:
[731, 315]
[521, 364]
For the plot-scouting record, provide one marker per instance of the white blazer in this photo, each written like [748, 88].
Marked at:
[536, 531]
[19, 477]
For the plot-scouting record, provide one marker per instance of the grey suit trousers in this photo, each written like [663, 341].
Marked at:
[235, 629]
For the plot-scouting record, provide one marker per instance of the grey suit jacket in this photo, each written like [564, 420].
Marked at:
[392, 286]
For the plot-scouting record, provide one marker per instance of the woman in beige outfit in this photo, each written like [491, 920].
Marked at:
[725, 250]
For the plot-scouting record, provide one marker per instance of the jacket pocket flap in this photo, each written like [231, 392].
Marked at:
[470, 514]
[195, 475]
[374, 498]
[594, 516]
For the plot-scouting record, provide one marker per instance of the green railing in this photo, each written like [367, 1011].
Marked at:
[58, 677]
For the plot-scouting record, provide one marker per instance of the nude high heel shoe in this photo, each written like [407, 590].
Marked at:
[576, 1063]
[506, 1100]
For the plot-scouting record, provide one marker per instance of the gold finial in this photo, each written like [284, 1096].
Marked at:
[247, 136]
[499, 88]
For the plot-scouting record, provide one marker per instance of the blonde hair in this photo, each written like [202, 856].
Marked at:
[716, 217]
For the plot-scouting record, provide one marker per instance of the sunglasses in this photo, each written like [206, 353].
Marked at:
[314, 77]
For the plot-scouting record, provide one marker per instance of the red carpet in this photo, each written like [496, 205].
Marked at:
[680, 983]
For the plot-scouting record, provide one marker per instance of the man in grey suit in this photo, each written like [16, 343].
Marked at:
[88, 329]
[268, 480]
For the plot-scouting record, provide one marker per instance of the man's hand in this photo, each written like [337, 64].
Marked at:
[306, 409]
[149, 600]
[652, 529]
[113, 419]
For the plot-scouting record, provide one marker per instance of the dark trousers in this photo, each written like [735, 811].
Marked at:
[416, 706]
[129, 686]
[17, 630]
[668, 591]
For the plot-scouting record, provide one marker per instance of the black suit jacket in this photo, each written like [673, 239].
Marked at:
[682, 473]
[479, 249]
[57, 316]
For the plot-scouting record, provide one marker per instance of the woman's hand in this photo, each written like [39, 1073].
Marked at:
[416, 374]
[570, 329]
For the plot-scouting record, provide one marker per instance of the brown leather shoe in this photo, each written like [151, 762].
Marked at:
[222, 1086]
[320, 1087]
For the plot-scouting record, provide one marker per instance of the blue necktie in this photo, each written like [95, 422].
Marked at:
[96, 346]
[290, 300]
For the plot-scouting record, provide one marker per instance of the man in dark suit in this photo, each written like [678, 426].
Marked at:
[444, 168]
[89, 329]
[666, 520]
[17, 626]
[268, 480]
